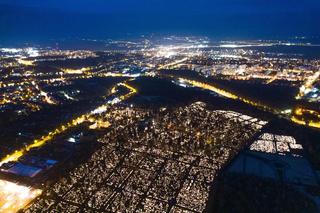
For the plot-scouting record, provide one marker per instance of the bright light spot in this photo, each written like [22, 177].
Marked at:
[10, 50]
[25, 62]
[68, 96]
[14, 197]
[99, 110]
[167, 53]
[307, 87]
[72, 140]
[47, 98]
[287, 111]
[76, 71]
[32, 52]
[229, 46]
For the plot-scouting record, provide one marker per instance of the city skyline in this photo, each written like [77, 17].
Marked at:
[36, 20]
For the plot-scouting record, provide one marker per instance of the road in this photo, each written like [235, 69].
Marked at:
[291, 117]
[64, 127]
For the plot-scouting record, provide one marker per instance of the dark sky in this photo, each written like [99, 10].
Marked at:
[32, 20]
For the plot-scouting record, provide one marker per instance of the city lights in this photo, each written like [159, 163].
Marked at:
[14, 197]
[130, 120]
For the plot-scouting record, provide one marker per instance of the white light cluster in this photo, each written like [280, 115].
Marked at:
[14, 197]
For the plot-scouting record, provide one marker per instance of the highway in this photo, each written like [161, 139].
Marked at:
[291, 117]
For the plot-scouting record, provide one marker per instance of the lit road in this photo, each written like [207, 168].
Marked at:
[293, 117]
[13, 196]
[75, 122]
[300, 112]
[227, 94]
[173, 63]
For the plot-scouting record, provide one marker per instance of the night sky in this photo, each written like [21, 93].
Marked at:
[32, 20]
